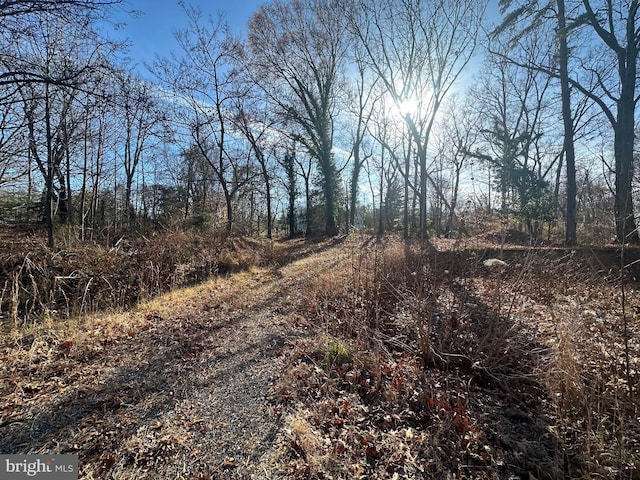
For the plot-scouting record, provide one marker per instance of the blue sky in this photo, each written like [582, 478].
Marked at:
[151, 32]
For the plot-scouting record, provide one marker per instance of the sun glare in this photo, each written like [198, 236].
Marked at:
[409, 106]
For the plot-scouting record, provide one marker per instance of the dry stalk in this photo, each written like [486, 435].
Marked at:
[84, 297]
[15, 298]
[4, 290]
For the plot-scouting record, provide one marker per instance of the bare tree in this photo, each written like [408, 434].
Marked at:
[22, 18]
[518, 114]
[137, 106]
[297, 51]
[571, 224]
[363, 97]
[418, 48]
[202, 80]
[457, 137]
[395, 158]
[607, 76]
[13, 147]
[250, 120]
[13, 8]
[305, 170]
[392, 199]
[537, 14]
[194, 176]
[60, 49]
[95, 137]
[617, 25]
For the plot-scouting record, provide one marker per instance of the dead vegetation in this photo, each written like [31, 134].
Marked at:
[174, 387]
[81, 278]
[456, 369]
[357, 358]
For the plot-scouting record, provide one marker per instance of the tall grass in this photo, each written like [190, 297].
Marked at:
[543, 327]
[80, 278]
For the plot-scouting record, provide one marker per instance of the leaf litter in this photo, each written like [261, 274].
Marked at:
[272, 373]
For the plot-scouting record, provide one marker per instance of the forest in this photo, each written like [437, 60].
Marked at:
[324, 114]
[420, 212]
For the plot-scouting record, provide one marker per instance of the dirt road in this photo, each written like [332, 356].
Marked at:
[176, 388]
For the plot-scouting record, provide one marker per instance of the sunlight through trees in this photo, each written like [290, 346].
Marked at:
[360, 91]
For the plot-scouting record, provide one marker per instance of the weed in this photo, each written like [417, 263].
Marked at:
[524, 357]
[337, 353]
[87, 277]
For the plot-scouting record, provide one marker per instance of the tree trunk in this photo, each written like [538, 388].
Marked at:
[626, 230]
[229, 205]
[355, 175]
[329, 176]
[454, 202]
[68, 196]
[290, 170]
[308, 213]
[48, 203]
[567, 121]
[129, 211]
[422, 156]
[381, 214]
[269, 214]
[405, 221]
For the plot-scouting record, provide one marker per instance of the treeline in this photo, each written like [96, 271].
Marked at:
[329, 114]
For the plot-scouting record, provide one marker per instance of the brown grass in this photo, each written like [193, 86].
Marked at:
[36, 283]
[173, 386]
[414, 362]
[464, 370]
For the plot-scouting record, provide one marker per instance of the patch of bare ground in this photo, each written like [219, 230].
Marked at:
[175, 388]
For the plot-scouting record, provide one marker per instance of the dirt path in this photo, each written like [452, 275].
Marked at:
[175, 389]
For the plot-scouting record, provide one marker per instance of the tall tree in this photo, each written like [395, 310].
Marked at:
[20, 20]
[457, 138]
[515, 105]
[250, 120]
[362, 102]
[389, 141]
[571, 224]
[418, 48]
[297, 50]
[57, 47]
[532, 16]
[289, 165]
[139, 116]
[13, 149]
[396, 142]
[201, 75]
[617, 25]
[195, 178]
[609, 78]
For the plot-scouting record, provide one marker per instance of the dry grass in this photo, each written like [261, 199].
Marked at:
[407, 363]
[81, 278]
[463, 370]
[174, 386]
